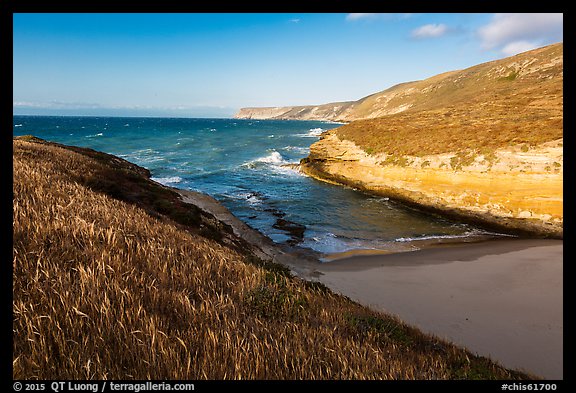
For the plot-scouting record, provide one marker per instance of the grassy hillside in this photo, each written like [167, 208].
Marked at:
[531, 81]
[113, 278]
[480, 127]
[514, 101]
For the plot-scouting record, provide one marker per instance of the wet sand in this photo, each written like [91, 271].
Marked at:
[500, 298]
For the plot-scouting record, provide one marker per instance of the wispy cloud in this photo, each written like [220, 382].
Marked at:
[514, 33]
[516, 47]
[429, 31]
[372, 16]
[294, 20]
[358, 16]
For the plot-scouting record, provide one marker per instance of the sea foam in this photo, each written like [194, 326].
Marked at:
[312, 133]
[167, 180]
[274, 158]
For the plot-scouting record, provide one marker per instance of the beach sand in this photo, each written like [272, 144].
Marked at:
[501, 299]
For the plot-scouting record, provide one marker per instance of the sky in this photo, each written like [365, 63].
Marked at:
[211, 65]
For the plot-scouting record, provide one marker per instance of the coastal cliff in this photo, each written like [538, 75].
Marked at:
[489, 150]
[329, 112]
[542, 66]
[515, 189]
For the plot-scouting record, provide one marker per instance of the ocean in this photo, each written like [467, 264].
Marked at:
[241, 164]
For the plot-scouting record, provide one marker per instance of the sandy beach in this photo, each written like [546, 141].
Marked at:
[501, 298]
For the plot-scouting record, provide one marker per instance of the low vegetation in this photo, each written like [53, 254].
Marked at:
[114, 279]
[506, 90]
[513, 101]
[473, 128]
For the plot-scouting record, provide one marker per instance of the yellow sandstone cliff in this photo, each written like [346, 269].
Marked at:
[515, 190]
[483, 144]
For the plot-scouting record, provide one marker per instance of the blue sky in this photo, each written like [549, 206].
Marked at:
[210, 65]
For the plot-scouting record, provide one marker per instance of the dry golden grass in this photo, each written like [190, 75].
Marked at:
[483, 129]
[513, 101]
[102, 289]
[533, 78]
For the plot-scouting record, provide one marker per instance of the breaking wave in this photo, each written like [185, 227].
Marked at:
[167, 180]
[312, 133]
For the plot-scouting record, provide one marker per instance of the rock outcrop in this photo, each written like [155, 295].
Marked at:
[515, 190]
[482, 144]
[328, 112]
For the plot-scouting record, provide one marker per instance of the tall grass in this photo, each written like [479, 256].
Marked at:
[103, 289]
[480, 128]
[513, 101]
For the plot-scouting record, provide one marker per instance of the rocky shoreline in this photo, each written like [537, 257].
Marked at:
[505, 198]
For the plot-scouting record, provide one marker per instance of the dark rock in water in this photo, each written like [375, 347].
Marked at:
[256, 194]
[295, 230]
[275, 212]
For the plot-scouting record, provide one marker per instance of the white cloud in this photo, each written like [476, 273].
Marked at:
[516, 47]
[357, 16]
[360, 16]
[295, 20]
[430, 31]
[510, 32]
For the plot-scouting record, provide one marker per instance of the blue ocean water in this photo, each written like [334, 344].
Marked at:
[240, 163]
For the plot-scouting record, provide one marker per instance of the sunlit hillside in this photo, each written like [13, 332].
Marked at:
[107, 286]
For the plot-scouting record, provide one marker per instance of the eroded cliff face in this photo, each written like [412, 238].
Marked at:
[326, 112]
[517, 189]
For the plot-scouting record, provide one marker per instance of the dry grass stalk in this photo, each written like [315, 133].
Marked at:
[104, 290]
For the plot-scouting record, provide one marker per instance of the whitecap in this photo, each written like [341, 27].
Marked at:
[253, 198]
[95, 135]
[328, 242]
[468, 234]
[297, 149]
[273, 158]
[312, 133]
[167, 180]
[17, 125]
[285, 170]
[428, 237]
